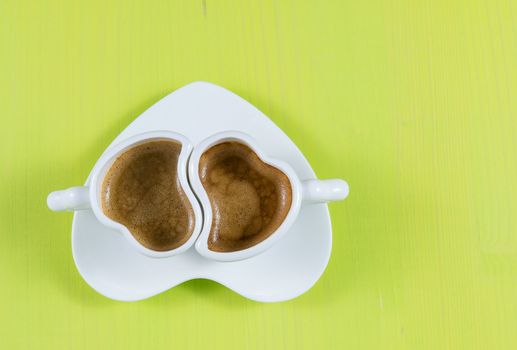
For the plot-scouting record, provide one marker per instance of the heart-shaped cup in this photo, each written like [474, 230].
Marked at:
[175, 236]
[249, 200]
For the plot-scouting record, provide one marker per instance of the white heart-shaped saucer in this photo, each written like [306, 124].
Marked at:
[113, 268]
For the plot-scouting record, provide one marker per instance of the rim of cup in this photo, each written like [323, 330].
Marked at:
[104, 164]
[201, 244]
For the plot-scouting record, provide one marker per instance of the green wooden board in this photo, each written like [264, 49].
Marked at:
[413, 102]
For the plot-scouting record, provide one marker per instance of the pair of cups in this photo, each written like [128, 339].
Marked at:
[188, 167]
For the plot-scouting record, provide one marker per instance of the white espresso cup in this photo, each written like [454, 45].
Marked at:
[303, 192]
[89, 197]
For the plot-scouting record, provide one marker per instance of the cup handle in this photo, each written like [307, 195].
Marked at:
[323, 191]
[73, 198]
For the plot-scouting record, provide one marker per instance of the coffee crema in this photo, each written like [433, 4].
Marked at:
[142, 191]
[249, 198]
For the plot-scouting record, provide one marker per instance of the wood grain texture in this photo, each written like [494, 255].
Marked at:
[413, 102]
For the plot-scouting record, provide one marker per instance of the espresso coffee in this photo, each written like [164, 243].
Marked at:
[142, 191]
[249, 198]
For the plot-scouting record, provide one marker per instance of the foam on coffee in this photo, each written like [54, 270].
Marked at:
[249, 198]
[142, 191]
